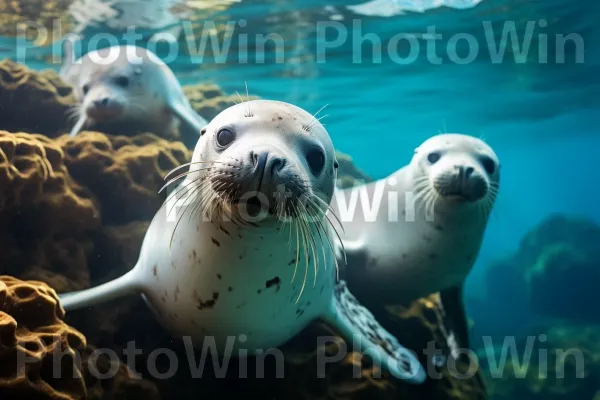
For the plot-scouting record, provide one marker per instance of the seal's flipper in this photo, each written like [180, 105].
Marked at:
[457, 324]
[114, 289]
[190, 123]
[357, 325]
[455, 317]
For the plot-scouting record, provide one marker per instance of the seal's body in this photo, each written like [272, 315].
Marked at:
[242, 253]
[231, 281]
[419, 230]
[128, 88]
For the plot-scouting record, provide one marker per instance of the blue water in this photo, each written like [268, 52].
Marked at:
[542, 118]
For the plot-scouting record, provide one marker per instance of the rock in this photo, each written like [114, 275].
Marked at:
[33, 102]
[209, 100]
[125, 174]
[46, 219]
[349, 174]
[43, 13]
[564, 364]
[32, 338]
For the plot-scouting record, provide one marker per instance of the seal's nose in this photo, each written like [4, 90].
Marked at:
[266, 165]
[464, 172]
[101, 103]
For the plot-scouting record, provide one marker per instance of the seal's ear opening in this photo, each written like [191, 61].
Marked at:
[202, 131]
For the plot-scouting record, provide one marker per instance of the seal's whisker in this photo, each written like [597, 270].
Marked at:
[193, 192]
[314, 122]
[310, 234]
[319, 227]
[331, 211]
[187, 187]
[179, 177]
[306, 263]
[189, 164]
[248, 101]
[333, 228]
[297, 251]
[330, 242]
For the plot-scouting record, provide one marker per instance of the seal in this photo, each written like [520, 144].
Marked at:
[128, 88]
[249, 251]
[419, 230]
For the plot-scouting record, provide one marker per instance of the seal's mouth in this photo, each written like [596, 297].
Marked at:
[462, 192]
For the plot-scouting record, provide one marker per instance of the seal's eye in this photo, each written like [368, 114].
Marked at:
[85, 89]
[225, 137]
[433, 157]
[488, 164]
[122, 81]
[316, 160]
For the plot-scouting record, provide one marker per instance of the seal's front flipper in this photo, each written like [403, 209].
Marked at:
[190, 123]
[358, 325]
[114, 289]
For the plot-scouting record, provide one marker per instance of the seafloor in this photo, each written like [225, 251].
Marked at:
[73, 213]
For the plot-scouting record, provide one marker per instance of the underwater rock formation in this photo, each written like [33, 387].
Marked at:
[556, 270]
[124, 174]
[564, 364]
[33, 102]
[349, 174]
[561, 255]
[74, 212]
[46, 218]
[46, 13]
[209, 100]
[32, 337]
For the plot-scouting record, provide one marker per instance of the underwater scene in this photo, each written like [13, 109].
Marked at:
[276, 199]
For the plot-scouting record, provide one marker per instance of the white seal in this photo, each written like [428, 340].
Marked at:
[419, 230]
[128, 87]
[248, 250]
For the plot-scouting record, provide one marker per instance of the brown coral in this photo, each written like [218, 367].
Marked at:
[36, 345]
[44, 13]
[33, 102]
[46, 219]
[209, 100]
[125, 174]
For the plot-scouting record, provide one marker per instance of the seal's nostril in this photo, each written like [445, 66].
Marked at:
[104, 101]
[469, 171]
[253, 158]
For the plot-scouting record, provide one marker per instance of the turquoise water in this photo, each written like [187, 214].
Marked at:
[541, 118]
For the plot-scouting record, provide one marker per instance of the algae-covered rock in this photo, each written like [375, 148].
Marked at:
[33, 102]
[125, 174]
[349, 174]
[562, 363]
[560, 261]
[38, 351]
[209, 100]
[46, 218]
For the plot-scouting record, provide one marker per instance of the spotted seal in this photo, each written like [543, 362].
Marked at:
[125, 88]
[244, 246]
[419, 230]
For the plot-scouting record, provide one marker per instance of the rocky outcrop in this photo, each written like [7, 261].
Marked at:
[34, 102]
[38, 351]
[124, 173]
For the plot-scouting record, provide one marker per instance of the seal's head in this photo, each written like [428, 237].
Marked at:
[456, 170]
[114, 84]
[266, 158]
